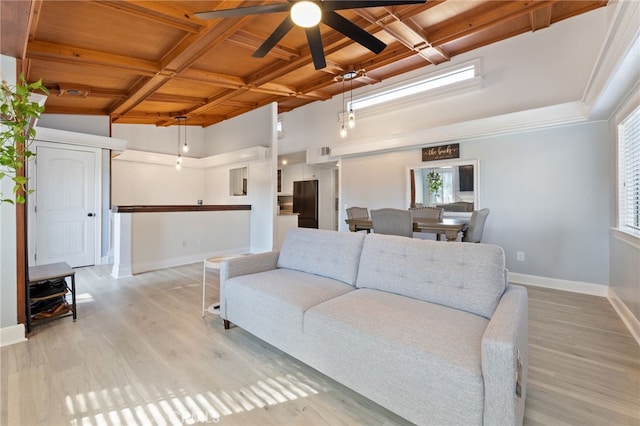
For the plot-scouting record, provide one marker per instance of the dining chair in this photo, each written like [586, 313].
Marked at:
[476, 226]
[427, 213]
[357, 213]
[392, 222]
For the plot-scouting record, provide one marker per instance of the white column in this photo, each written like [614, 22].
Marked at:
[121, 245]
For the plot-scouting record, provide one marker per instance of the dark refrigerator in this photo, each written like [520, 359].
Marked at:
[305, 203]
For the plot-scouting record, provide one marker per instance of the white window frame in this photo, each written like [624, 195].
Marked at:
[432, 86]
[624, 161]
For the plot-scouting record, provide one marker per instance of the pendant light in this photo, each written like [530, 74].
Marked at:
[343, 130]
[181, 148]
[352, 116]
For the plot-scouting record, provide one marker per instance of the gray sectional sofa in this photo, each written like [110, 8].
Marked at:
[430, 330]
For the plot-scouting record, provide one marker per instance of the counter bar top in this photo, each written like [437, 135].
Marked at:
[180, 208]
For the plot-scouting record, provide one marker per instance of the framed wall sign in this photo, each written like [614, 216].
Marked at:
[441, 152]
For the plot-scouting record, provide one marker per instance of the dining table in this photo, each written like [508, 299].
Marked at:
[450, 227]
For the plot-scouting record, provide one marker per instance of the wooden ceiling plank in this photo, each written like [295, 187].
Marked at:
[216, 100]
[54, 109]
[54, 90]
[34, 19]
[15, 19]
[203, 76]
[145, 87]
[138, 9]
[175, 99]
[469, 23]
[386, 23]
[72, 54]
[253, 42]
[195, 46]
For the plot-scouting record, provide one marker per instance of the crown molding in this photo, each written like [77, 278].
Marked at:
[555, 115]
[242, 155]
[46, 134]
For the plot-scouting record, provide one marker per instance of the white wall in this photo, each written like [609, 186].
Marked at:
[244, 131]
[548, 67]
[161, 240]
[90, 124]
[163, 140]
[548, 192]
[153, 184]
[8, 278]
[136, 183]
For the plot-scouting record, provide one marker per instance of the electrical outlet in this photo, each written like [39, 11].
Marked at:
[520, 256]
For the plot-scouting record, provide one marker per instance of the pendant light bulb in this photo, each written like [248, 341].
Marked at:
[343, 132]
[185, 147]
[178, 163]
[351, 120]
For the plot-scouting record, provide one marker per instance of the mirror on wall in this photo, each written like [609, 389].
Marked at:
[450, 184]
[238, 181]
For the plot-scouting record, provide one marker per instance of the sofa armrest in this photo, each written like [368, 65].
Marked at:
[505, 358]
[244, 265]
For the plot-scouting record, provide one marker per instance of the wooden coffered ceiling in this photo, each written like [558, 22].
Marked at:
[146, 62]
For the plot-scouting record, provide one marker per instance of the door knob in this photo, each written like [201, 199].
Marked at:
[91, 214]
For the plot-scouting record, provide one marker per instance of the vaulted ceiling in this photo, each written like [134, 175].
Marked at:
[146, 62]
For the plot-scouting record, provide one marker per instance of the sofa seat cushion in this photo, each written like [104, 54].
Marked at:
[471, 277]
[428, 355]
[328, 253]
[271, 304]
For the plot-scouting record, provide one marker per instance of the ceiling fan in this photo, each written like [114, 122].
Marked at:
[308, 14]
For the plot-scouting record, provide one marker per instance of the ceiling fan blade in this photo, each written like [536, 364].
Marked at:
[354, 32]
[315, 45]
[274, 38]
[244, 11]
[359, 4]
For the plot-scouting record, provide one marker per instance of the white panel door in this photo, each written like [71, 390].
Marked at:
[65, 207]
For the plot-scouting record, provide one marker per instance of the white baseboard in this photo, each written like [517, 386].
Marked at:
[138, 268]
[12, 334]
[621, 309]
[625, 314]
[558, 284]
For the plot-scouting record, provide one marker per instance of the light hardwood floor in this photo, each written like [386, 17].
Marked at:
[140, 353]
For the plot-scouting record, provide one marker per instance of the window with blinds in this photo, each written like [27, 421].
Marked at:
[629, 169]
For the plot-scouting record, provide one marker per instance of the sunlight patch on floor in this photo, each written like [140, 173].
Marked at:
[110, 406]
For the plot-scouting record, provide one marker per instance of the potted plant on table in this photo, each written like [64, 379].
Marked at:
[18, 112]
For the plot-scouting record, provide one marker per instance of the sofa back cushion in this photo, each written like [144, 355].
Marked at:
[327, 253]
[466, 276]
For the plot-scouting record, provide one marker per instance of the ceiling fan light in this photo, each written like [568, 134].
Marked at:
[306, 14]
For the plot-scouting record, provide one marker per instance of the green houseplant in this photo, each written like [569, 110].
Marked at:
[17, 114]
[434, 182]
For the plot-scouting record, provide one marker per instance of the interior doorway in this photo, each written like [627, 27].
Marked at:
[63, 215]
